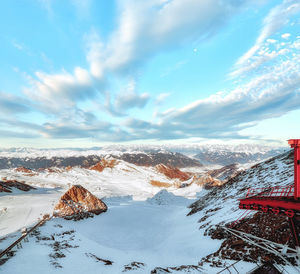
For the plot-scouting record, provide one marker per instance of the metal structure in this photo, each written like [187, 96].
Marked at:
[24, 235]
[280, 200]
[276, 200]
[279, 250]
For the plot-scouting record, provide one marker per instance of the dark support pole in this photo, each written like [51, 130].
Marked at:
[295, 230]
[297, 171]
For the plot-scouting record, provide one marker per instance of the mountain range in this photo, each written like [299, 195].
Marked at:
[165, 211]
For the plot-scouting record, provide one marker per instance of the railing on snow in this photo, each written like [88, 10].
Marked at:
[276, 191]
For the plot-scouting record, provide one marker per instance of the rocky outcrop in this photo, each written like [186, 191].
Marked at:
[271, 227]
[23, 169]
[8, 185]
[225, 173]
[206, 181]
[78, 203]
[159, 184]
[172, 172]
[101, 165]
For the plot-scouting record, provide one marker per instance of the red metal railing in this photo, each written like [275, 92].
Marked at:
[276, 191]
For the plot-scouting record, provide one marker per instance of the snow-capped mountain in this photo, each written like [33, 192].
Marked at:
[149, 155]
[85, 159]
[242, 154]
[156, 221]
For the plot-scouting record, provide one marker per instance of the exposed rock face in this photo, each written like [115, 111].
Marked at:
[78, 203]
[225, 173]
[8, 185]
[23, 169]
[160, 184]
[271, 227]
[172, 172]
[207, 181]
[100, 166]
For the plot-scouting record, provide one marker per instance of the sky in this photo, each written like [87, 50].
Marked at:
[77, 73]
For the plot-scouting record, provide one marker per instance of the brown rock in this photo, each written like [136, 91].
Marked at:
[23, 169]
[159, 184]
[100, 166]
[172, 172]
[207, 181]
[7, 185]
[78, 202]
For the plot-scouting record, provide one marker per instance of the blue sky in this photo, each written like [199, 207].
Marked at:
[87, 73]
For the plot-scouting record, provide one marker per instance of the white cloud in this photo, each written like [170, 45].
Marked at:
[271, 41]
[270, 94]
[274, 21]
[161, 98]
[11, 104]
[57, 91]
[148, 27]
[126, 99]
[286, 35]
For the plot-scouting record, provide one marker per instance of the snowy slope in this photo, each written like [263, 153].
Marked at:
[122, 180]
[156, 236]
[134, 232]
[221, 204]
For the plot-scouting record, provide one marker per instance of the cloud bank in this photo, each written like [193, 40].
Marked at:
[270, 69]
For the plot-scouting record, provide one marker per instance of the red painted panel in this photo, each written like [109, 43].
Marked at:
[295, 143]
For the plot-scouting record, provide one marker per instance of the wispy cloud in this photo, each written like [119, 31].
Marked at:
[161, 98]
[58, 91]
[145, 29]
[148, 27]
[11, 104]
[266, 95]
[277, 18]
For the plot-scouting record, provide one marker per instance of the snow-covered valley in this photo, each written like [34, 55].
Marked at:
[157, 221]
[131, 231]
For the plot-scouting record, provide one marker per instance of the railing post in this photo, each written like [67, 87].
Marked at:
[295, 143]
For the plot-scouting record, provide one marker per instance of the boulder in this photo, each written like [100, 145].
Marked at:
[78, 203]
